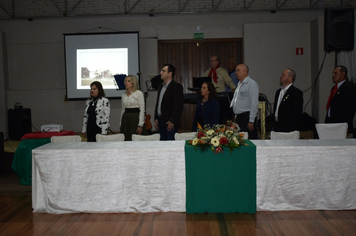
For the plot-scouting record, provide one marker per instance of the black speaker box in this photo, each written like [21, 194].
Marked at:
[2, 154]
[19, 120]
[338, 29]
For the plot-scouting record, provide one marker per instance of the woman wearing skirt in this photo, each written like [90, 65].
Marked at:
[133, 109]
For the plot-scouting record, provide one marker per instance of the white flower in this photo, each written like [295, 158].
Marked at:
[195, 141]
[221, 135]
[235, 140]
[229, 132]
[215, 141]
[210, 132]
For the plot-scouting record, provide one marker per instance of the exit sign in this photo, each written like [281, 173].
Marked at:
[198, 35]
[299, 51]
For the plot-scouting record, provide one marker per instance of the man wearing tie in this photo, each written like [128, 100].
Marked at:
[245, 102]
[342, 100]
[288, 104]
[169, 105]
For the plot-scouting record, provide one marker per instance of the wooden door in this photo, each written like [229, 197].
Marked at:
[191, 59]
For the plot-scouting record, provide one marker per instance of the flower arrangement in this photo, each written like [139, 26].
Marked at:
[218, 136]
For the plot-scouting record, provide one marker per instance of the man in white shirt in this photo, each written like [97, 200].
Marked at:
[245, 102]
[341, 104]
[288, 104]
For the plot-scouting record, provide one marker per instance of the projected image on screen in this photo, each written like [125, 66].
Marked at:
[100, 65]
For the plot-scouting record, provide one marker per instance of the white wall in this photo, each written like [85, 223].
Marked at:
[36, 55]
[271, 47]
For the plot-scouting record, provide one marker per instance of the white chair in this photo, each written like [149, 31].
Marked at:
[110, 138]
[152, 137]
[185, 136]
[332, 131]
[294, 135]
[245, 135]
[66, 139]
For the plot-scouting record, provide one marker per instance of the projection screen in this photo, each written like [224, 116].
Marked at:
[99, 57]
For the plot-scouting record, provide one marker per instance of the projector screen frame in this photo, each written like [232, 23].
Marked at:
[86, 41]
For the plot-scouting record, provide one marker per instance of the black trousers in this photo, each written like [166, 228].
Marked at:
[242, 120]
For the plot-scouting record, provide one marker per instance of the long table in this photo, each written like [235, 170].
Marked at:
[306, 174]
[142, 176]
[150, 176]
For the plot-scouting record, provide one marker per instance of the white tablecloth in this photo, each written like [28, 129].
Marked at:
[306, 174]
[150, 176]
[109, 177]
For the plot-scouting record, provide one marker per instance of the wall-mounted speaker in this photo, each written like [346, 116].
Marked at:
[2, 154]
[19, 120]
[338, 29]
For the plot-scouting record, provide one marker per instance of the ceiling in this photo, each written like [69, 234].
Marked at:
[13, 9]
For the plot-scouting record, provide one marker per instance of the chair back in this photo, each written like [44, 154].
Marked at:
[66, 139]
[285, 135]
[110, 138]
[332, 131]
[152, 137]
[185, 136]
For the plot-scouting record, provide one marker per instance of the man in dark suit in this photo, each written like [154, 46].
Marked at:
[342, 100]
[288, 104]
[169, 105]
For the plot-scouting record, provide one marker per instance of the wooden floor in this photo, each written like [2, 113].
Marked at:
[17, 218]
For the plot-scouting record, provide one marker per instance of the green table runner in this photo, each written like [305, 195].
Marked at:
[222, 182]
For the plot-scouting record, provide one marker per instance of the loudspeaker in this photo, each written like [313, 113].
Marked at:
[19, 120]
[338, 29]
[2, 154]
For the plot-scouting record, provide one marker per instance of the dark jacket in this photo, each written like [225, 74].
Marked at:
[342, 106]
[289, 111]
[210, 110]
[172, 103]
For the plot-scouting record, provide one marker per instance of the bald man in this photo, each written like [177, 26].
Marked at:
[245, 102]
[288, 104]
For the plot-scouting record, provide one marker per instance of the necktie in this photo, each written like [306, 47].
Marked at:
[281, 95]
[332, 94]
[234, 99]
[215, 76]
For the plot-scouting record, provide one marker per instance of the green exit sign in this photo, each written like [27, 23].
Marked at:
[198, 35]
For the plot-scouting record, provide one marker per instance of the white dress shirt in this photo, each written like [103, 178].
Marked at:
[246, 98]
[135, 100]
[281, 95]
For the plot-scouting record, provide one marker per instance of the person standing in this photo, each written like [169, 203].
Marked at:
[288, 104]
[219, 75]
[169, 104]
[342, 100]
[245, 102]
[97, 113]
[207, 109]
[133, 109]
[232, 73]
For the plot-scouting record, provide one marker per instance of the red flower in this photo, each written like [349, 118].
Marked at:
[223, 141]
[219, 149]
[201, 134]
